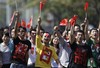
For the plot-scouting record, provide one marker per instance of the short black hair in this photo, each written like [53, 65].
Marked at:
[77, 25]
[32, 30]
[6, 34]
[93, 29]
[81, 31]
[21, 27]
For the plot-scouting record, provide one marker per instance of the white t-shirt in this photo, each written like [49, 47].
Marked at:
[6, 54]
[32, 55]
[65, 52]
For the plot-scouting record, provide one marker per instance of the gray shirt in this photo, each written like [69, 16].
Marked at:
[6, 54]
[65, 51]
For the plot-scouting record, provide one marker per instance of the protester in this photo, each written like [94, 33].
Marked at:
[45, 52]
[94, 43]
[76, 27]
[6, 29]
[21, 46]
[64, 49]
[32, 51]
[5, 51]
[80, 51]
[56, 45]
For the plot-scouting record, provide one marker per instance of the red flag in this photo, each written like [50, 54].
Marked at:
[75, 17]
[73, 20]
[41, 5]
[11, 20]
[29, 23]
[64, 22]
[23, 23]
[86, 6]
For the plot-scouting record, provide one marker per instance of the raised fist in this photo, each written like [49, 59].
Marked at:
[39, 20]
[16, 13]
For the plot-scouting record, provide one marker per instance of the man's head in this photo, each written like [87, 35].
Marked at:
[22, 32]
[6, 29]
[79, 35]
[5, 37]
[76, 27]
[94, 33]
[12, 32]
[33, 33]
[46, 38]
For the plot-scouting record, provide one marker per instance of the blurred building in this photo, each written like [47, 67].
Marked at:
[6, 12]
[7, 7]
[2, 13]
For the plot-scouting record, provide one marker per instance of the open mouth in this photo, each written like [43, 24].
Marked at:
[46, 39]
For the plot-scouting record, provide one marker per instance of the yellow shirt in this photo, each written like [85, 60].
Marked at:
[44, 54]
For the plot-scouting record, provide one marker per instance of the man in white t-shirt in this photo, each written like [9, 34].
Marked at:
[32, 51]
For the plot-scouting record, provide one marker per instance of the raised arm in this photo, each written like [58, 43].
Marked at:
[61, 39]
[16, 15]
[39, 24]
[71, 36]
[86, 29]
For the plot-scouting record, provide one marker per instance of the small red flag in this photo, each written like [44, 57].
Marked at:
[73, 20]
[23, 23]
[64, 22]
[41, 5]
[86, 6]
[29, 23]
[75, 17]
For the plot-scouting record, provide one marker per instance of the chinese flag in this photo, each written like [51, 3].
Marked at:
[41, 5]
[75, 17]
[86, 6]
[23, 23]
[29, 23]
[73, 20]
[64, 22]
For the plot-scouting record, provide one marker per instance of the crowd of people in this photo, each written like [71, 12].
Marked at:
[75, 47]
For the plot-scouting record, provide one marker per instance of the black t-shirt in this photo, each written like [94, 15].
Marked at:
[20, 51]
[1, 40]
[81, 54]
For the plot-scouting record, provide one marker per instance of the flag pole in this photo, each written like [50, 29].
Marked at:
[16, 5]
[86, 15]
[32, 21]
[86, 10]
[40, 8]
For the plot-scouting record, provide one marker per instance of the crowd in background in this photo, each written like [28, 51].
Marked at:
[75, 47]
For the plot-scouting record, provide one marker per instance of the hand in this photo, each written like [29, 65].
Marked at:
[39, 20]
[82, 25]
[56, 28]
[86, 20]
[16, 13]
